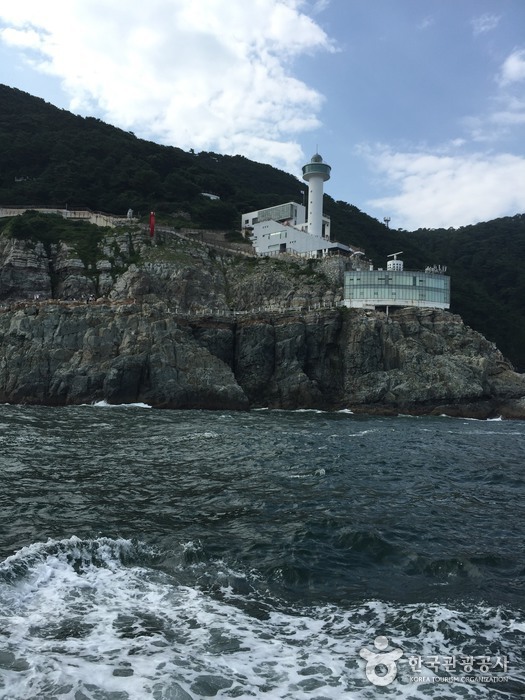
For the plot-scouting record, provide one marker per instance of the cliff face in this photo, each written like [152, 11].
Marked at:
[182, 325]
[416, 360]
[189, 276]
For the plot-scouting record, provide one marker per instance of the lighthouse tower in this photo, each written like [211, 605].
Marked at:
[315, 173]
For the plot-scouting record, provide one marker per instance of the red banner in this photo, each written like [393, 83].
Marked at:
[152, 224]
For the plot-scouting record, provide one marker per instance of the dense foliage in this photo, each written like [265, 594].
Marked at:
[51, 229]
[50, 156]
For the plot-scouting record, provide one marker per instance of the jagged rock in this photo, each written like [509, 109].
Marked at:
[24, 270]
[422, 356]
[76, 287]
[416, 361]
[268, 283]
[62, 354]
[511, 408]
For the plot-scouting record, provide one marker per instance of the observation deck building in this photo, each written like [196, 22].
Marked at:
[370, 289]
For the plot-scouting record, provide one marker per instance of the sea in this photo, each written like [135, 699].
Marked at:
[266, 554]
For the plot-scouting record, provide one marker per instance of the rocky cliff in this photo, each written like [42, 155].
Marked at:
[185, 326]
[414, 361]
[190, 276]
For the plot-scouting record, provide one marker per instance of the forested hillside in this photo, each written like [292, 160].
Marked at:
[50, 156]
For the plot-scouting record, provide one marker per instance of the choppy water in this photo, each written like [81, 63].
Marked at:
[175, 555]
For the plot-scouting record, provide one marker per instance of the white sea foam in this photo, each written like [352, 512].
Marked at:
[205, 435]
[290, 410]
[362, 432]
[79, 619]
[105, 404]
[479, 420]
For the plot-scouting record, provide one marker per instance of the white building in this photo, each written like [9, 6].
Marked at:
[290, 213]
[285, 228]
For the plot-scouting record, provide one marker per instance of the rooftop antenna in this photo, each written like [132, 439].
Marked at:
[387, 221]
[394, 255]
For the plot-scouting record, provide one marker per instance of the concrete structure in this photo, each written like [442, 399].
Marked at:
[285, 228]
[92, 217]
[290, 214]
[370, 289]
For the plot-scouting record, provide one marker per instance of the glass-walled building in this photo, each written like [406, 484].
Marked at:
[372, 288]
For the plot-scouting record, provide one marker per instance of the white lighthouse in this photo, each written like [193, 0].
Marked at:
[315, 173]
[285, 228]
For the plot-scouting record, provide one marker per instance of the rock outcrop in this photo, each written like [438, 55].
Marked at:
[24, 270]
[414, 361]
[189, 276]
[58, 353]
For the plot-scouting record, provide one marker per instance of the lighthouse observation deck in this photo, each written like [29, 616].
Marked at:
[316, 167]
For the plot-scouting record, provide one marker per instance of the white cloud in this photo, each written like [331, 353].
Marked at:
[203, 74]
[513, 69]
[24, 39]
[509, 117]
[438, 190]
[507, 107]
[485, 23]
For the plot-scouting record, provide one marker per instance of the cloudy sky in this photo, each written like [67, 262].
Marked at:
[418, 105]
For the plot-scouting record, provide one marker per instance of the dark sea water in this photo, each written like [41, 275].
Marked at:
[175, 555]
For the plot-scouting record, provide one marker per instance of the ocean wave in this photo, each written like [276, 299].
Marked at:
[105, 404]
[91, 618]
